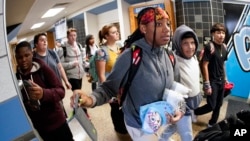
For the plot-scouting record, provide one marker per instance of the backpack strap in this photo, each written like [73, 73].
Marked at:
[53, 54]
[171, 56]
[80, 46]
[65, 50]
[201, 54]
[135, 63]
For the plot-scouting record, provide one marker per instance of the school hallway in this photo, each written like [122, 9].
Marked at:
[100, 117]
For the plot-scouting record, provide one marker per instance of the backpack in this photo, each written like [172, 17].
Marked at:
[65, 50]
[225, 129]
[201, 54]
[135, 63]
[92, 68]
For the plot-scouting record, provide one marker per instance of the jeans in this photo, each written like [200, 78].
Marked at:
[214, 102]
[184, 128]
[168, 132]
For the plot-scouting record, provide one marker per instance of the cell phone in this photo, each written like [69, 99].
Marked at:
[27, 84]
[36, 103]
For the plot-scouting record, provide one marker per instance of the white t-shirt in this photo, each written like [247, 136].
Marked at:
[93, 49]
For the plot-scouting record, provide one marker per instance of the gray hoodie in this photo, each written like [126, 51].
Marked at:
[179, 32]
[189, 68]
[153, 76]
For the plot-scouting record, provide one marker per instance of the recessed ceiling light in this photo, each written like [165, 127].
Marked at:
[52, 12]
[37, 25]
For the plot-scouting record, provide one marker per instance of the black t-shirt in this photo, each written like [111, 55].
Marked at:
[216, 61]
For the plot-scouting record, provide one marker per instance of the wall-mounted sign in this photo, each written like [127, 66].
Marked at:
[238, 64]
[61, 29]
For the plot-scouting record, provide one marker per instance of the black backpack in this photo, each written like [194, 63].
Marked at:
[225, 129]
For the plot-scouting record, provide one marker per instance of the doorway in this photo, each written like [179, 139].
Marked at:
[166, 5]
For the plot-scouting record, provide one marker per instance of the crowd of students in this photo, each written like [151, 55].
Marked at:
[44, 69]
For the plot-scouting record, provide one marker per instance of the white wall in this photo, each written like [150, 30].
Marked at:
[121, 15]
[107, 18]
[94, 23]
[124, 19]
[91, 25]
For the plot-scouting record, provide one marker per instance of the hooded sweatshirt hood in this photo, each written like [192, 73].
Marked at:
[36, 65]
[178, 34]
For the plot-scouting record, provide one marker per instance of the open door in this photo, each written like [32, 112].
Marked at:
[134, 10]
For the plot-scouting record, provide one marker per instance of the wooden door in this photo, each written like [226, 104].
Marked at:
[134, 10]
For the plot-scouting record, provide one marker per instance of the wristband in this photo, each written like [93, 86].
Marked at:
[206, 85]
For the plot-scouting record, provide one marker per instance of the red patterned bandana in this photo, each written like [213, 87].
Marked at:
[149, 16]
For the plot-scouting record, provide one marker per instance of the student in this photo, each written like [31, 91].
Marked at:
[153, 77]
[105, 58]
[57, 47]
[108, 52]
[214, 74]
[91, 49]
[186, 43]
[73, 62]
[42, 98]
[50, 57]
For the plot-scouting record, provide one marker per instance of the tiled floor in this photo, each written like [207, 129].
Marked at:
[100, 116]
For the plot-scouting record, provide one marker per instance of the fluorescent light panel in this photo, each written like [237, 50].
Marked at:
[23, 39]
[52, 12]
[37, 25]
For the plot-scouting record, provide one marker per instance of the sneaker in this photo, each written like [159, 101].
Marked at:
[193, 116]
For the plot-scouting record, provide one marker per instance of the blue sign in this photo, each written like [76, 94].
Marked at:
[238, 63]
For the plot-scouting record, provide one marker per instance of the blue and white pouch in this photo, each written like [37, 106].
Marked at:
[153, 116]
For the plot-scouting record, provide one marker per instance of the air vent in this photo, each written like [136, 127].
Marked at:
[61, 4]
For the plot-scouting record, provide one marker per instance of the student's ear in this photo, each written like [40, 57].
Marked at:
[212, 36]
[143, 29]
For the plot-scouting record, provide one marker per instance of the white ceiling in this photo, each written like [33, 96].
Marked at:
[29, 12]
